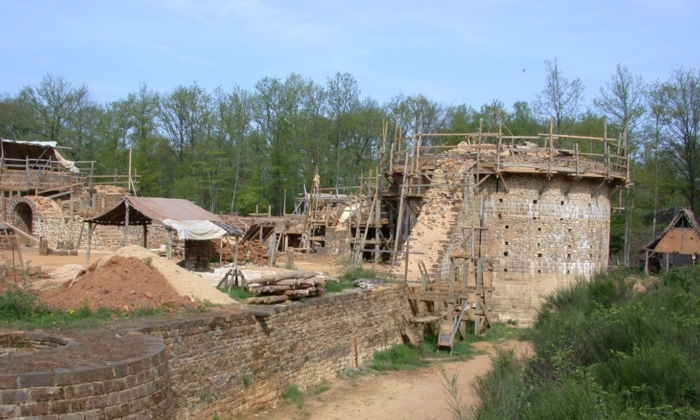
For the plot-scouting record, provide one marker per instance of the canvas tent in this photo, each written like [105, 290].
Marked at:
[680, 238]
[44, 155]
[177, 215]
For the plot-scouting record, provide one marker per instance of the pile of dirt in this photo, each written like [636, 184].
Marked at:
[120, 283]
[184, 282]
[133, 277]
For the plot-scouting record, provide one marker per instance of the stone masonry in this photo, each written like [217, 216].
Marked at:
[213, 364]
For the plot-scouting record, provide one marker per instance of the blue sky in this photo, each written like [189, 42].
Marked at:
[451, 51]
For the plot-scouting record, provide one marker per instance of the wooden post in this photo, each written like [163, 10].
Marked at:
[126, 222]
[408, 246]
[72, 217]
[235, 253]
[29, 186]
[145, 236]
[89, 244]
[170, 244]
[290, 258]
[401, 211]
[377, 219]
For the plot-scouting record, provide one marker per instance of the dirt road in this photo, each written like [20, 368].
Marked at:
[409, 395]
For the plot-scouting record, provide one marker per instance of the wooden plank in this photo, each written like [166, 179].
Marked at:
[425, 319]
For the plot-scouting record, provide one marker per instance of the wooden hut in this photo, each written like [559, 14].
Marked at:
[679, 243]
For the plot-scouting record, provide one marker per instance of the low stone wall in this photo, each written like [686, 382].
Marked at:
[225, 364]
[215, 365]
[133, 388]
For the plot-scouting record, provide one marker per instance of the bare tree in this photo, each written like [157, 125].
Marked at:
[57, 104]
[560, 99]
[622, 101]
[677, 103]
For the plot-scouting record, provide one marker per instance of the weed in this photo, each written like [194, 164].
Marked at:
[240, 293]
[348, 275]
[148, 261]
[16, 304]
[454, 400]
[398, 357]
[320, 388]
[246, 381]
[292, 393]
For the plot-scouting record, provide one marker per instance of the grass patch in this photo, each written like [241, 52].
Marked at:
[320, 388]
[240, 293]
[293, 394]
[21, 309]
[348, 275]
[398, 357]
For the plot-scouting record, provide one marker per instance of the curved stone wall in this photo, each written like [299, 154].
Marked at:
[133, 388]
[539, 242]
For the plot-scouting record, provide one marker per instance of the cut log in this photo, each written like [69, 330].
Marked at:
[270, 289]
[270, 279]
[266, 299]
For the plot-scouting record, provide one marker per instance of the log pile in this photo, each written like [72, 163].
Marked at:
[281, 287]
[252, 251]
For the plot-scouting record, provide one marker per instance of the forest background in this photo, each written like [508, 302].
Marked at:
[230, 150]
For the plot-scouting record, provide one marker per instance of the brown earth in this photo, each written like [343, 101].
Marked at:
[120, 283]
[407, 395]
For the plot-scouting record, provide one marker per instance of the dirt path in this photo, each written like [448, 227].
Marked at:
[409, 395]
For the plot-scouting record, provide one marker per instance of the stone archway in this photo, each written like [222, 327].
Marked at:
[22, 214]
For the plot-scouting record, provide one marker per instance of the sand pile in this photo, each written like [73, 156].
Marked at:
[131, 278]
[184, 282]
[119, 283]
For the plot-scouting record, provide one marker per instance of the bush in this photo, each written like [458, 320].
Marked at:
[603, 351]
[16, 303]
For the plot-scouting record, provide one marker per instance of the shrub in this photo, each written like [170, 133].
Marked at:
[16, 303]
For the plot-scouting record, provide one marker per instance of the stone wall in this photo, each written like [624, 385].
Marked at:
[213, 365]
[134, 388]
[537, 243]
[58, 228]
[225, 364]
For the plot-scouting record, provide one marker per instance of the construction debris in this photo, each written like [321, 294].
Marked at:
[251, 252]
[277, 288]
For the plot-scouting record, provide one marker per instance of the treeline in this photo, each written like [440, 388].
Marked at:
[232, 149]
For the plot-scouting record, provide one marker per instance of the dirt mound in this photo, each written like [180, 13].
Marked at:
[119, 283]
[183, 281]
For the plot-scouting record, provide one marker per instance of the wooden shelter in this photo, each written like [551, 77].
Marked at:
[681, 237]
[173, 213]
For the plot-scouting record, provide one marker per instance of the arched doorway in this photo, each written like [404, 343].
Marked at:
[23, 218]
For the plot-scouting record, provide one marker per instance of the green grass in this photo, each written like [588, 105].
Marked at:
[293, 394]
[21, 309]
[398, 357]
[240, 293]
[348, 275]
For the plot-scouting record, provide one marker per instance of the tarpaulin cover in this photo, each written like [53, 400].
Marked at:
[36, 151]
[195, 229]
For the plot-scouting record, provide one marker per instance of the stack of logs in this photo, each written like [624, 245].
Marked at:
[249, 251]
[280, 287]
